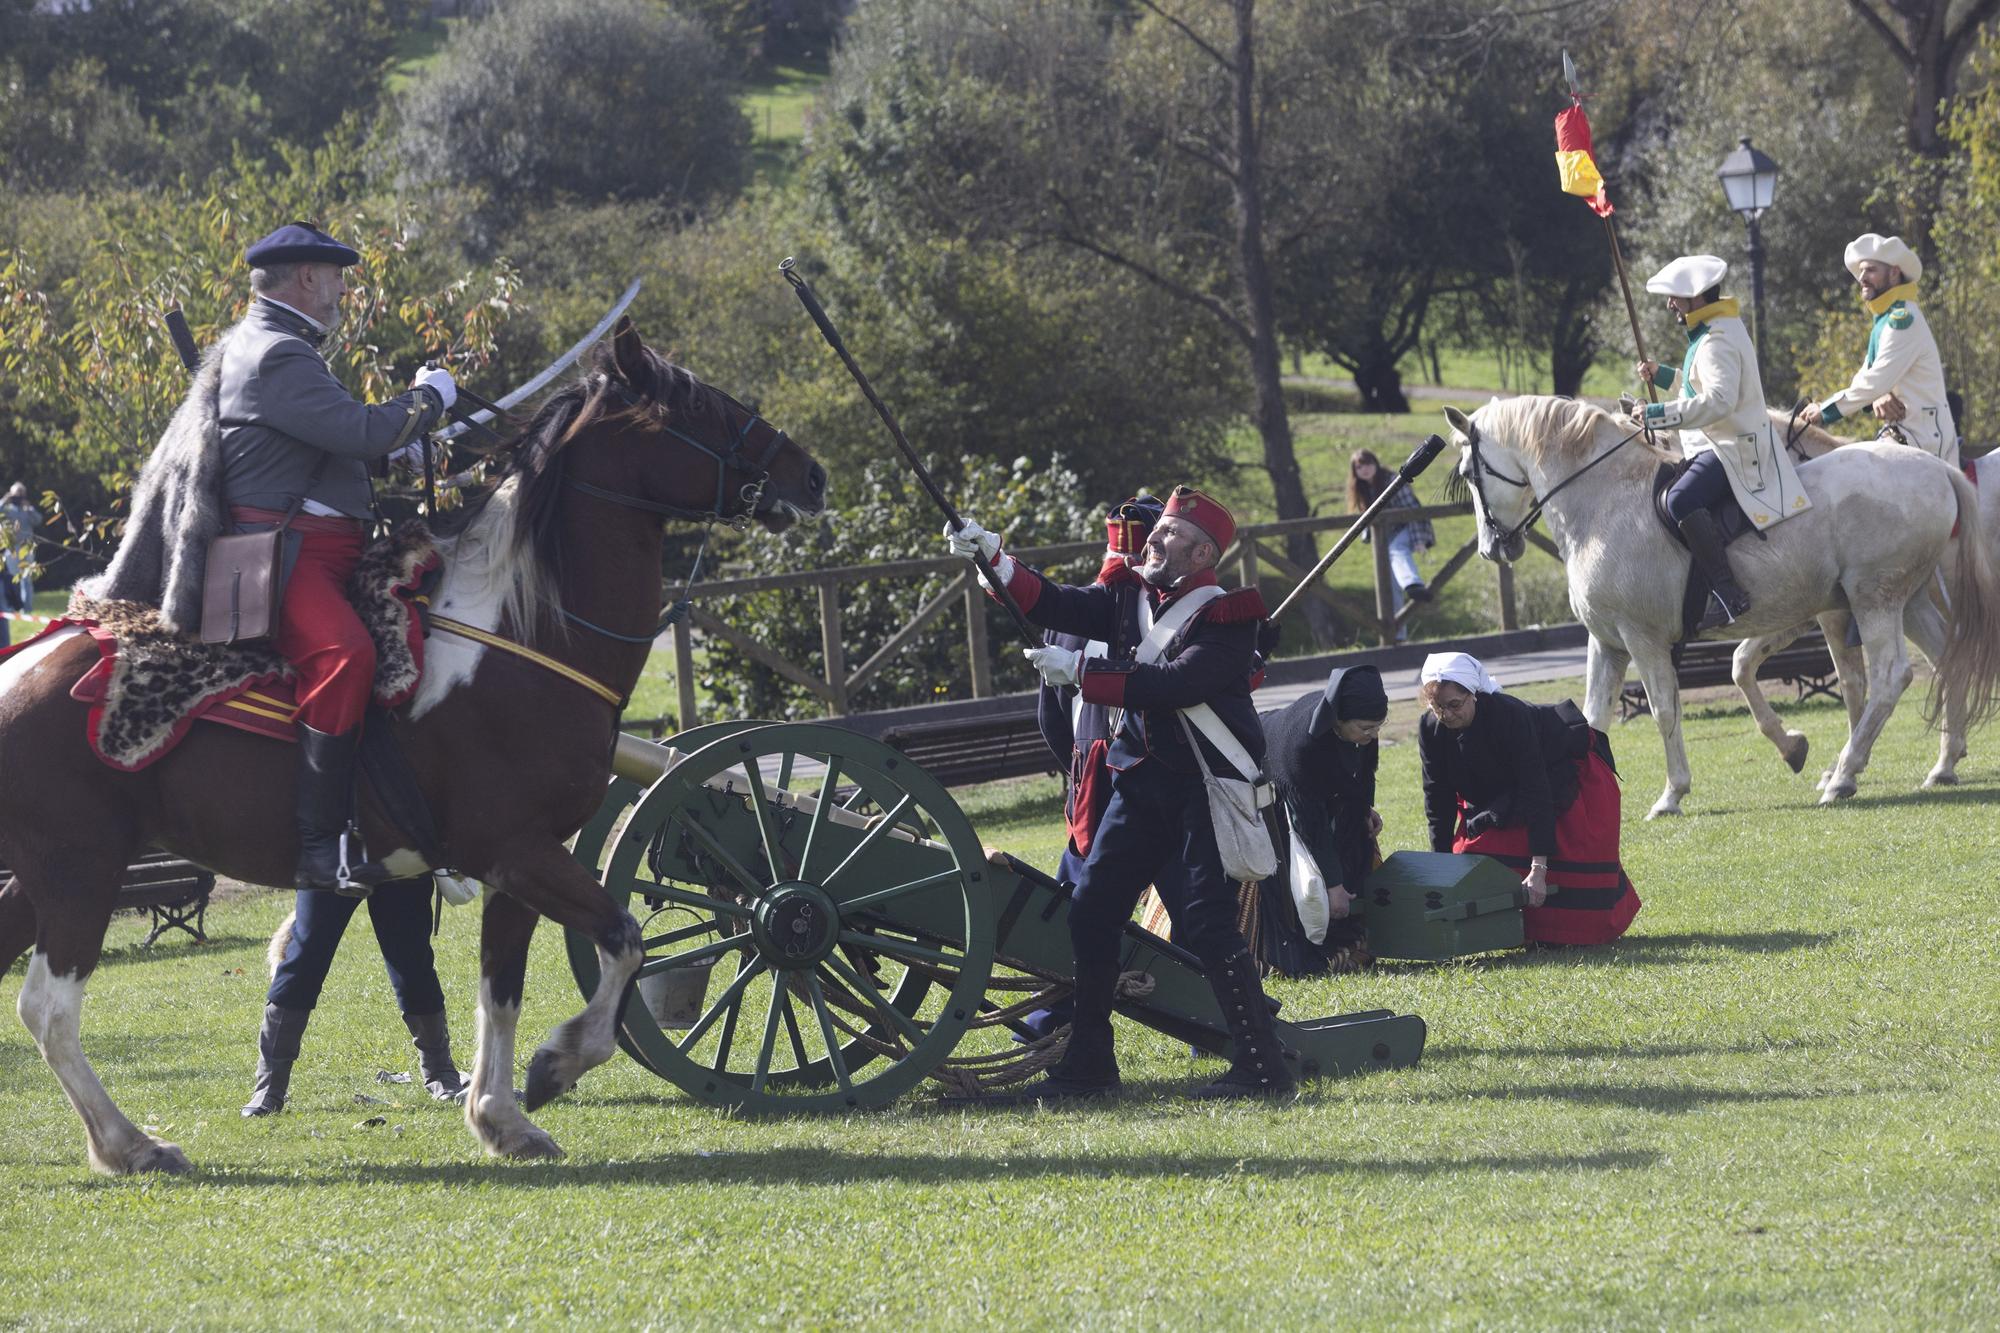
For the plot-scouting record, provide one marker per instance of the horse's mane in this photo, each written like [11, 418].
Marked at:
[506, 535]
[1544, 427]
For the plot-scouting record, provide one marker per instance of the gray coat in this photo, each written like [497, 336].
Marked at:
[281, 409]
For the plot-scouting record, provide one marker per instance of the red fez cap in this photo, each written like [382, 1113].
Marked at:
[1205, 512]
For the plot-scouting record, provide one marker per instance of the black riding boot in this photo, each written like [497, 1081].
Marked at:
[434, 1064]
[1704, 541]
[325, 806]
[277, 1048]
[1089, 1066]
[1258, 1069]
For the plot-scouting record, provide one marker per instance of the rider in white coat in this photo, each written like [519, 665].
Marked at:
[1903, 376]
[1724, 429]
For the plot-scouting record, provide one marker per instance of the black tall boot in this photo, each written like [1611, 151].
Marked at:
[1258, 1068]
[324, 810]
[434, 1064]
[277, 1048]
[1089, 1065]
[1704, 541]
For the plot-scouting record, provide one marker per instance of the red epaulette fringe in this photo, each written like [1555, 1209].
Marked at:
[1235, 608]
[1116, 571]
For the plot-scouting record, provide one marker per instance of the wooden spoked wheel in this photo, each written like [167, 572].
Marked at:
[821, 908]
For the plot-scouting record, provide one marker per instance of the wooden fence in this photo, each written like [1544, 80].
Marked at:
[1257, 549]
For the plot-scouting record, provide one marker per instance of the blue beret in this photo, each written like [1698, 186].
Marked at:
[300, 243]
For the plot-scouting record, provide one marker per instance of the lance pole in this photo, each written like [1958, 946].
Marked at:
[789, 268]
[1631, 310]
[1421, 459]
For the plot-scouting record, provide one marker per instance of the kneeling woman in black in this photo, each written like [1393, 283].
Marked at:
[1532, 786]
[1320, 754]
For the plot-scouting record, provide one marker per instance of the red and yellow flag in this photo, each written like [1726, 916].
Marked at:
[1573, 160]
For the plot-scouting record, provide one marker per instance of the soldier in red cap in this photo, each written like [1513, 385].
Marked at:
[1197, 647]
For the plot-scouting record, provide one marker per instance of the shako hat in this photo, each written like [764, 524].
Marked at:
[1129, 522]
[300, 243]
[1688, 276]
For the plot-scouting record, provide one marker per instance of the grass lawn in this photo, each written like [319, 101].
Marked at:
[1771, 1105]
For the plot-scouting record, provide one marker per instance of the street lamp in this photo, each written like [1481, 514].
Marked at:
[1749, 181]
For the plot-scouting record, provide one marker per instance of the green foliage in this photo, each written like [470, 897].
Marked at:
[142, 91]
[582, 99]
[1962, 300]
[93, 378]
[883, 516]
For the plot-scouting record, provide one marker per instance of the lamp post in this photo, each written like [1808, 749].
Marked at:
[1749, 181]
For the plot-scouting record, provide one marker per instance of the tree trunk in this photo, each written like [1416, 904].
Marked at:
[1381, 384]
[1573, 340]
[1274, 424]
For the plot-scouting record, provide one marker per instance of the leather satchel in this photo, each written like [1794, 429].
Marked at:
[243, 587]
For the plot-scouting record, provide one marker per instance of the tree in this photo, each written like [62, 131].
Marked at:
[1931, 44]
[581, 99]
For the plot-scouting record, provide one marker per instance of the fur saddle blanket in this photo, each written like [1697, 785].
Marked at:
[151, 683]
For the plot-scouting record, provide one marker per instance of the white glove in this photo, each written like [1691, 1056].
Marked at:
[972, 542]
[439, 380]
[1059, 666]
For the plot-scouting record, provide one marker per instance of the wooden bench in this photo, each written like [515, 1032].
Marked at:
[980, 749]
[1805, 663]
[174, 891]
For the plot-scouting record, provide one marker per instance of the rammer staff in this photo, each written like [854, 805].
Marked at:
[1431, 447]
[789, 268]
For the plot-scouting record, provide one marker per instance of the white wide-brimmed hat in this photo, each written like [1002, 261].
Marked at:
[1889, 250]
[1690, 275]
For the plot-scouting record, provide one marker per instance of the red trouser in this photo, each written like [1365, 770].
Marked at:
[318, 631]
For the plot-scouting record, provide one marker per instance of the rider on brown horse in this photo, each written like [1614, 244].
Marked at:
[291, 439]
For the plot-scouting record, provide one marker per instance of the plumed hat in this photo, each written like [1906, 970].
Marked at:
[1890, 250]
[1129, 522]
[1689, 276]
[1205, 512]
[300, 243]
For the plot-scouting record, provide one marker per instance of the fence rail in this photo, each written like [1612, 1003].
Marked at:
[1255, 551]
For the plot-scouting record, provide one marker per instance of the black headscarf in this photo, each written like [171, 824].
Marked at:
[1305, 754]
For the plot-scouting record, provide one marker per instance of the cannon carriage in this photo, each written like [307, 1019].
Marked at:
[824, 931]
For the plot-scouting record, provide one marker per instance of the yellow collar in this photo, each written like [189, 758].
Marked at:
[1904, 292]
[1726, 308]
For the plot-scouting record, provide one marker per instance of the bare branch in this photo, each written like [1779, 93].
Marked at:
[1883, 30]
[1193, 36]
[1075, 234]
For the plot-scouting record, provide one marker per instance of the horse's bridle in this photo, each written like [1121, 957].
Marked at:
[1504, 537]
[751, 494]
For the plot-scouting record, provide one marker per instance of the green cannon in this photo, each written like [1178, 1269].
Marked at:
[824, 931]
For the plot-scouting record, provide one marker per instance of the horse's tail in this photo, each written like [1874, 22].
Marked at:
[1970, 668]
[281, 942]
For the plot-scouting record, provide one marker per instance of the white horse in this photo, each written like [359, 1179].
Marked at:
[1880, 527]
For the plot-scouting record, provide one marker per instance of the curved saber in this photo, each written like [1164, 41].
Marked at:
[556, 367]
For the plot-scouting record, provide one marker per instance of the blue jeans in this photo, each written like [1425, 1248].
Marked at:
[1402, 571]
[401, 914]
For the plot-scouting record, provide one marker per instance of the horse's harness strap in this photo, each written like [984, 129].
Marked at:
[477, 635]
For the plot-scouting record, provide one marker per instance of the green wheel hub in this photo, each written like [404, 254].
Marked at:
[795, 925]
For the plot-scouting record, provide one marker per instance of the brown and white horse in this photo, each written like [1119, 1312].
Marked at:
[511, 757]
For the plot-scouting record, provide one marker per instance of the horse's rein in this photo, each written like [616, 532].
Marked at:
[521, 650]
[1480, 468]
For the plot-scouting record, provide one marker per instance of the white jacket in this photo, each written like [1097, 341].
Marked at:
[1720, 407]
[1902, 359]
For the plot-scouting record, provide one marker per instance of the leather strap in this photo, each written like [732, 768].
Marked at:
[477, 635]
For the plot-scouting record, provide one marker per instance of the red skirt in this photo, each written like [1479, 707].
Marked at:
[1590, 900]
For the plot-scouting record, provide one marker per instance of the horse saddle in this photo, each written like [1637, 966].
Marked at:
[1730, 521]
[150, 684]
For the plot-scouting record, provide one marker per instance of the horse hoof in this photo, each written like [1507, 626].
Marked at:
[531, 1145]
[544, 1083]
[1662, 809]
[1836, 791]
[1824, 778]
[1941, 780]
[1794, 750]
[158, 1155]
